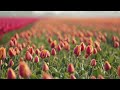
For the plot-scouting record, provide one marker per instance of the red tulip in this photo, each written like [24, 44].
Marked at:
[28, 56]
[53, 44]
[53, 52]
[83, 46]
[107, 66]
[94, 51]
[45, 67]
[31, 50]
[77, 50]
[59, 48]
[12, 52]
[11, 74]
[37, 51]
[73, 41]
[93, 62]
[36, 60]
[116, 44]
[44, 54]
[71, 68]
[50, 40]
[11, 63]
[89, 49]
[72, 76]
[11, 43]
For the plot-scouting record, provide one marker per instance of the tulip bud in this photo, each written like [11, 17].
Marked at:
[44, 54]
[31, 50]
[73, 41]
[50, 40]
[47, 76]
[77, 50]
[2, 53]
[59, 48]
[45, 67]
[66, 46]
[100, 77]
[93, 62]
[83, 46]
[53, 52]
[36, 60]
[23, 45]
[72, 76]
[94, 51]
[12, 52]
[11, 74]
[89, 49]
[116, 44]
[11, 63]
[11, 43]
[107, 66]
[16, 36]
[17, 50]
[70, 68]
[41, 48]
[92, 77]
[53, 44]
[24, 70]
[28, 56]
[118, 71]
[37, 51]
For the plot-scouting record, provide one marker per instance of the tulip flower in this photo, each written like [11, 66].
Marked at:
[83, 46]
[93, 62]
[28, 56]
[53, 52]
[58, 48]
[44, 54]
[72, 76]
[118, 71]
[94, 51]
[2, 53]
[11, 63]
[12, 52]
[107, 66]
[24, 70]
[92, 77]
[77, 50]
[36, 60]
[46, 76]
[100, 77]
[89, 50]
[45, 67]
[71, 68]
[11, 74]
[37, 51]
[116, 44]
[53, 44]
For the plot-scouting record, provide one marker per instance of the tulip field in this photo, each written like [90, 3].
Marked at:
[61, 48]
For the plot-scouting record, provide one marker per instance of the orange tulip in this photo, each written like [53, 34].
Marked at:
[2, 53]
[24, 70]
[11, 74]
[17, 50]
[11, 43]
[16, 36]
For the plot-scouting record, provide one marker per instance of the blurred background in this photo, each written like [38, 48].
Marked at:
[60, 13]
